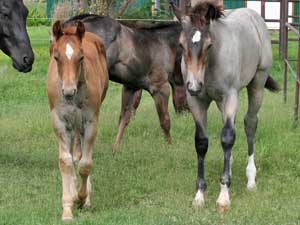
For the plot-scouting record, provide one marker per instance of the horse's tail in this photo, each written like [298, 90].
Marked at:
[272, 85]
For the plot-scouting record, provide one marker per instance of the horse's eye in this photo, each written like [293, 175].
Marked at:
[56, 58]
[81, 59]
[209, 46]
[6, 16]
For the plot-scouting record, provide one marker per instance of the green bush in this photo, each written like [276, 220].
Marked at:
[144, 12]
[37, 18]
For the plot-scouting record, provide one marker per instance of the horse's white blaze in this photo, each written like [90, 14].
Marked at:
[196, 36]
[194, 80]
[69, 51]
[251, 173]
[223, 199]
[193, 84]
[199, 199]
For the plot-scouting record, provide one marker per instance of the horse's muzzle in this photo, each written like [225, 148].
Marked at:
[25, 65]
[69, 93]
[194, 89]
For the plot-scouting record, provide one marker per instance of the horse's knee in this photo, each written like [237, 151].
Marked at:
[201, 144]
[65, 163]
[201, 141]
[227, 136]
[179, 99]
[85, 167]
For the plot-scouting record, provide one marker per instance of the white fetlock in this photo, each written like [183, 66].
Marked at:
[251, 174]
[87, 202]
[223, 202]
[198, 200]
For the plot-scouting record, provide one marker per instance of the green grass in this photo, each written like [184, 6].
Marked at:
[148, 182]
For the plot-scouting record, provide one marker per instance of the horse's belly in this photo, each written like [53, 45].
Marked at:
[121, 73]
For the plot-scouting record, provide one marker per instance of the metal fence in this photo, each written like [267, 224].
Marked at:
[286, 29]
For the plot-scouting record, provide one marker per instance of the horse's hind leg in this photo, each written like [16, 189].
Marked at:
[255, 96]
[161, 98]
[130, 101]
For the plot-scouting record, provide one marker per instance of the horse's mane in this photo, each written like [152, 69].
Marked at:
[83, 17]
[149, 26]
[137, 25]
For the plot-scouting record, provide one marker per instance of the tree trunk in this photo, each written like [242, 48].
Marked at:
[123, 8]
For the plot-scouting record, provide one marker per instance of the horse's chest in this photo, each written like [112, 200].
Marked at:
[215, 90]
[74, 114]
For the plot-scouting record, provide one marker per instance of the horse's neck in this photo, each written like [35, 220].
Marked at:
[83, 75]
[170, 34]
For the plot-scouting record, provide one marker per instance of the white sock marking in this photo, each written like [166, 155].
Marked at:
[199, 199]
[251, 173]
[223, 198]
[69, 51]
[196, 37]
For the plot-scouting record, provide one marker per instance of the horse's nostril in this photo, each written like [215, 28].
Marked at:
[200, 85]
[188, 84]
[69, 94]
[26, 60]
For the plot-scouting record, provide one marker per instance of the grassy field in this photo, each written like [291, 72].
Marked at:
[148, 182]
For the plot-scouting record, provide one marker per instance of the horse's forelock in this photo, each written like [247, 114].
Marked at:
[69, 30]
[204, 11]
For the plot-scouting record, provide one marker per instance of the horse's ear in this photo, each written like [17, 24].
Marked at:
[80, 30]
[177, 12]
[214, 11]
[57, 30]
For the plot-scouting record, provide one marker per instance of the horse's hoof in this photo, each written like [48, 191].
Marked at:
[169, 140]
[251, 187]
[198, 200]
[115, 148]
[87, 204]
[67, 215]
[198, 204]
[222, 209]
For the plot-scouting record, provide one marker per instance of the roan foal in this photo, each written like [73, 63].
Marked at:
[222, 55]
[76, 85]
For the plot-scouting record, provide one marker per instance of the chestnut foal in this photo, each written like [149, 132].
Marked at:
[76, 86]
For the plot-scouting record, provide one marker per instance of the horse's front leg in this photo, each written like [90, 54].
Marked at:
[85, 163]
[66, 166]
[199, 111]
[228, 108]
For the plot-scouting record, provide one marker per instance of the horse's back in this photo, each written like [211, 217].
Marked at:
[247, 23]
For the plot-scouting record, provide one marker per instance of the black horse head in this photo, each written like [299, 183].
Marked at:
[14, 40]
